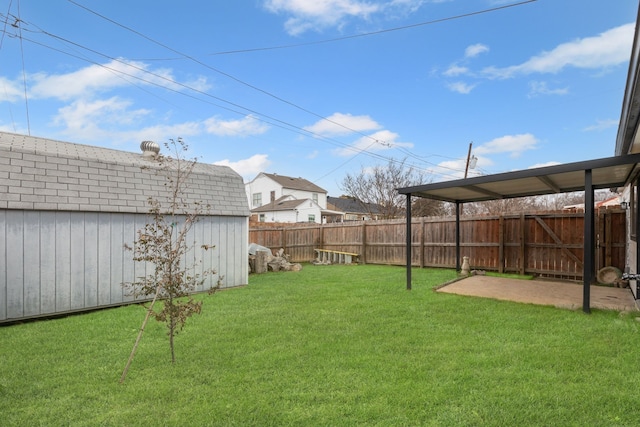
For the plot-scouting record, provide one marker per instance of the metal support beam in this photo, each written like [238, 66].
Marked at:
[457, 236]
[408, 241]
[589, 241]
[636, 200]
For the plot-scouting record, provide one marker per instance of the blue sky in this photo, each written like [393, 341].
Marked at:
[322, 88]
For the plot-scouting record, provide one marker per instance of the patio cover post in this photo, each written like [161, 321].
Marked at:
[589, 239]
[637, 208]
[457, 236]
[408, 241]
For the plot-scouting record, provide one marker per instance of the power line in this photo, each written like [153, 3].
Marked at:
[373, 33]
[280, 99]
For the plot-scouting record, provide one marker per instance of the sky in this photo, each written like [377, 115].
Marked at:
[320, 89]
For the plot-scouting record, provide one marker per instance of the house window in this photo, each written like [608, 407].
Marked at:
[257, 200]
[312, 218]
[261, 218]
[314, 197]
[272, 196]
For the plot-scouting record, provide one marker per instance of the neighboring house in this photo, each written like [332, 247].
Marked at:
[354, 209]
[67, 211]
[279, 198]
[289, 209]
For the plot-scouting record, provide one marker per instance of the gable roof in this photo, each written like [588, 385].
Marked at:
[45, 174]
[282, 204]
[352, 205]
[291, 183]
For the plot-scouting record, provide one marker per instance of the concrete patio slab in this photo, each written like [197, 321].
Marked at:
[543, 292]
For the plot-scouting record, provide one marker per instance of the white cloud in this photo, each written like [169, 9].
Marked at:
[515, 145]
[475, 50]
[84, 119]
[343, 124]
[455, 70]
[602, 125]
[461, 87]
[248, 167]
[93, 79]
[316, 15]
[248, 125]
[10, 91]
[607, 49]
[306, 15]
[542, 88]
[377, 141]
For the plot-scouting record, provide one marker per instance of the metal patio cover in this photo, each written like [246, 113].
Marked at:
[584, 176]
[607, 172]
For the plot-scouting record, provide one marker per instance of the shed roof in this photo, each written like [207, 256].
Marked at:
[45, 174]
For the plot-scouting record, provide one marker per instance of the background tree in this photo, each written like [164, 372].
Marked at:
[163, 245]
[377, 187]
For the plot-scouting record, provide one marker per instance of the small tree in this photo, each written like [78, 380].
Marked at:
[163, 244]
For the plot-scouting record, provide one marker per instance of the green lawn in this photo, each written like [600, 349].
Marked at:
[331, 346]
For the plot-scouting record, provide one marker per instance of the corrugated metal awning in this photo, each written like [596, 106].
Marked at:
[608, 172]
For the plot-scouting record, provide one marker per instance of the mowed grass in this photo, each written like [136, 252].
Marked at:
[329, 346]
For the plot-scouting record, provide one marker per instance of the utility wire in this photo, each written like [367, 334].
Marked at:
[322, 117]
[278, 122]
[373, 33]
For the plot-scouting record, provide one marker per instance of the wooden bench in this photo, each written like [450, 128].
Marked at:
[327, 256]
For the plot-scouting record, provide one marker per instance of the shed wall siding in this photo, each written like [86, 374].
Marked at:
[56, 262]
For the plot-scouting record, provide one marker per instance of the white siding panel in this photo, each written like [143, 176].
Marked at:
[216, 250]
[3, 264]
[207, 259]
[117, 257]
[31, 259]
[77, 260]
[63, 261]
[56, 262]
[91, 258]
[47, 262]
[15, 264]
[118, 292]
[103, 273]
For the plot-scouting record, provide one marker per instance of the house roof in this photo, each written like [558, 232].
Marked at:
[352, 205]
[628, 139]
[295, 183]
[608, 172]
[45, 174]
[282, 204]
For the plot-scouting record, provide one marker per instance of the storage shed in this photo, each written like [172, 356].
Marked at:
[67, 211]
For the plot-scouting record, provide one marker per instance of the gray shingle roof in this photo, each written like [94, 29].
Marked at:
[279, 205]
[44, 174]
[295, 183]
[351, 205]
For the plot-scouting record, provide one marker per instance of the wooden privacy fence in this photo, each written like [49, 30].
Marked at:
[546, 244]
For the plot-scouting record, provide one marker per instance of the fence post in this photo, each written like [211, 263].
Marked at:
[501, 260]
[523, 259]
[421, 246]
[363, 254]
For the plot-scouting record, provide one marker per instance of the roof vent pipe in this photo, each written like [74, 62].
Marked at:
[149, 149]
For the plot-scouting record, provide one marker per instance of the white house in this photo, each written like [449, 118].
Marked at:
[279, 198]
